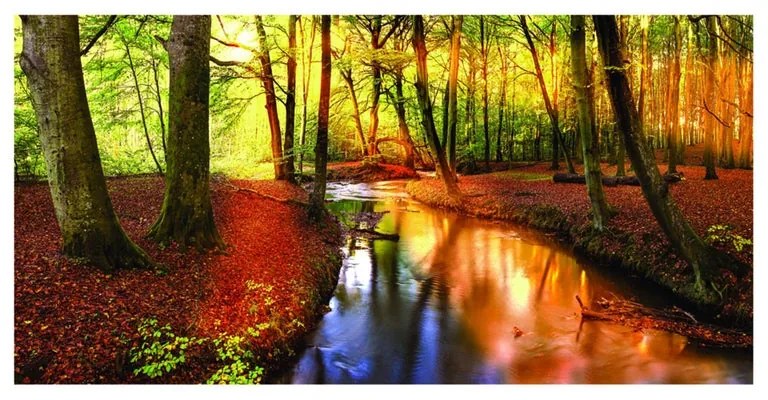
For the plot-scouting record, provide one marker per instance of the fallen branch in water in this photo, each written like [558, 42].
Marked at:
[675, 320]
[377, 235]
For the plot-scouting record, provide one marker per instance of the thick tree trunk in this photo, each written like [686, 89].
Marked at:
[553, 117]
[710, 101]
[589, 143]
[89, 227]
[453, 79]
[187, 215]
[317, 198]
[745, 119]
[427, 119]
[704, 260]
[290, 102]
[271, 102]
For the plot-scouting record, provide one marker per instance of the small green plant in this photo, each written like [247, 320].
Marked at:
[161, 350]
[238, 368]
[723, 234]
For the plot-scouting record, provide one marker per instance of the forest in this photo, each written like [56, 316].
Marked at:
[383, 199]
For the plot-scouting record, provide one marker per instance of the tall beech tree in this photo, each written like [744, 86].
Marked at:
[453, 89]
[317, 198]
[268, 83]
[704, 260]
[290, 102]
[710, 99]
[589, 140]
[425, 104]
[89, 227]
[673, 102]
[187, 215]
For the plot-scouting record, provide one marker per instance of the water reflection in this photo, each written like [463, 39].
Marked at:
[458, 300]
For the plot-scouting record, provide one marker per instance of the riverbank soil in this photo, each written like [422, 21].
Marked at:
[720, 210]
[365, 171]
[228, 314]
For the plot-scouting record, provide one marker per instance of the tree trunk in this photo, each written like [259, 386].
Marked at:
[404, 131]
[745, 119]
[373, 122]
[89, 227]
[502, 102]
[553, 117]
[453, 78]
[159, 99]
[710, 101]
[674, 101]
[290, 102]
[306, 69]
[704, 260]
[141, 104]
[427, 119]
[317, 198]
[589, 144]
[271, 101]
[187, 215]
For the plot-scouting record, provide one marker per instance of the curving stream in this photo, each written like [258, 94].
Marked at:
[462, 300]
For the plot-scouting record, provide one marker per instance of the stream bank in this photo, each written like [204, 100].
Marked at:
[633, 241]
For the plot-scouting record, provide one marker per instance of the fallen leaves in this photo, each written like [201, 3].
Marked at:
[72, 323]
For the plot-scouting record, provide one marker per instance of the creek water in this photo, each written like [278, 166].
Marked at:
[463, 300]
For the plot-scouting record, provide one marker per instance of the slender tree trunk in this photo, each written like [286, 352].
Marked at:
[290, 102]
[89, 227]
[502, 101]
[704, 260]
[317, 198]
[141, 105]
[267, 82]
[428, 122]
[159, 99]
[553, 117]
[346, 74]
[726, 130]
[453, 79]
[674, 100]
[403, 131]
[373, 123]
[710, 101]
[306, 68]
[187, 214]
[646, 67]
[589, 143]
[484, 53]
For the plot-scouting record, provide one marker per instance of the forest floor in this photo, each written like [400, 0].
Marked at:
[74, 324]
[527, 194]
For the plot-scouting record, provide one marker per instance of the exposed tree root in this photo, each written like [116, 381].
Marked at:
[675, 320]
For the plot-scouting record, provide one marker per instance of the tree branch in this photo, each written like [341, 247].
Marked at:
[715, 115]
[100, 33]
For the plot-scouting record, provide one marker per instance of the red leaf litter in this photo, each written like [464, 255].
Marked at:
[74, 324]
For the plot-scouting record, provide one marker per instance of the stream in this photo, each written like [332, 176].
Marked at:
[463, 300]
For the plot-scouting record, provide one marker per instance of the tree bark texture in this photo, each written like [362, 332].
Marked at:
[89, 227]
[187, 214]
